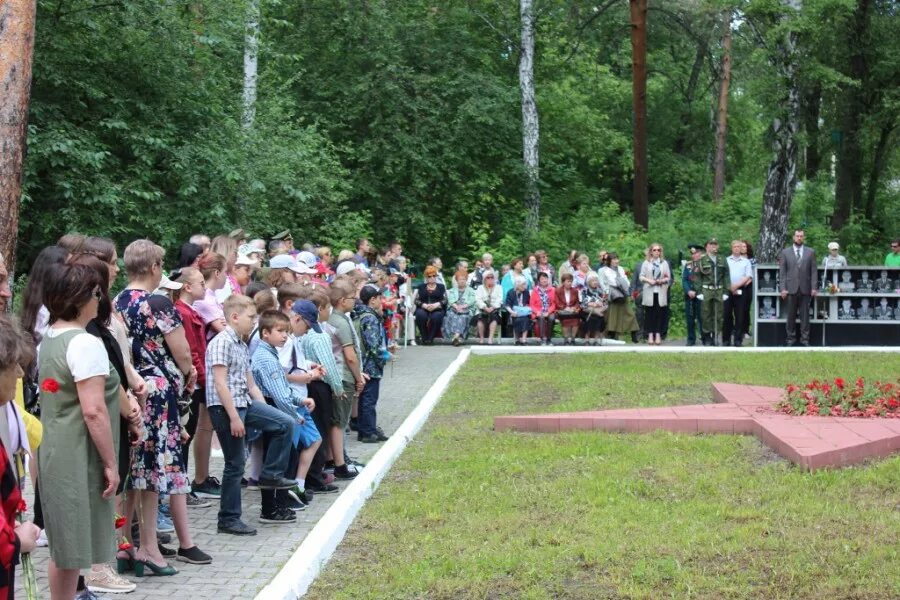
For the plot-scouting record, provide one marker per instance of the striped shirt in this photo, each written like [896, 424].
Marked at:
[317, 348]
[229, 350]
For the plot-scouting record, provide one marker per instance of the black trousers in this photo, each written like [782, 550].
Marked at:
[796, 302]
[320, 392]
[735, 313]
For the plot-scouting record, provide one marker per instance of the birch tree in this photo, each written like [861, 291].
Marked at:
[639, 106]
[251, 53]
[530, 124]
[722, 111]
[16, 53]
[781, 177]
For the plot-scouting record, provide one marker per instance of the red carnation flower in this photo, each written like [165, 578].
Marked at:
[839, 382]
[22, 507]
[120, 521]
[126, 545]
[50, 385]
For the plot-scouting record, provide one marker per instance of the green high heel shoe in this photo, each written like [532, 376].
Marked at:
[123, 565]
[140, 565]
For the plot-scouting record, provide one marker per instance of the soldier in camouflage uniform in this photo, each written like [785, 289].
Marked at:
[711, 271]
[690, 281]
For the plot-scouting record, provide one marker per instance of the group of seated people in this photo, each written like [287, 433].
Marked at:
[529, 299]
[280, 361]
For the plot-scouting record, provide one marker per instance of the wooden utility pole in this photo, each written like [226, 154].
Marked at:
[639, 103]
[722, 116]
[16, 53]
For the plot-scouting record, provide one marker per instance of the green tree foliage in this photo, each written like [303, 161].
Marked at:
[402, 119]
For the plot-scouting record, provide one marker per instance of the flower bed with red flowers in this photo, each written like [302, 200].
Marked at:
[838, 399]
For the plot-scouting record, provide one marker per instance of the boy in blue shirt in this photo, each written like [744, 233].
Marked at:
[272, 381]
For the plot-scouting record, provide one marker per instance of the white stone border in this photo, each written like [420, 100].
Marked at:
[301, 569]
[502, 349]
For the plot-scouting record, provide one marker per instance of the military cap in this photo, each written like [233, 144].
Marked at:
[695, 247]
[284, 235]
[712, 240]
[238, 234]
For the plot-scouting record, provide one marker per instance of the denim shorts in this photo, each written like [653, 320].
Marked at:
[307, 434]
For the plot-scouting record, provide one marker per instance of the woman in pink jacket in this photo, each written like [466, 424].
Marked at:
[543, 307]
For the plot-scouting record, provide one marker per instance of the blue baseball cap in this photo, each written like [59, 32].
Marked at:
[309, 312]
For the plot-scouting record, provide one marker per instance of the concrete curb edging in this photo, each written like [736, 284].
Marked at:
[640, 348]
[307, 561]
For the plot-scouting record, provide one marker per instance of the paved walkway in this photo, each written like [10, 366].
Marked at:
[242, 566]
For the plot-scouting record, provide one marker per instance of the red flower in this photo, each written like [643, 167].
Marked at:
[126, 545]
[22, 507]
[893, 403]
[120, 521]
[839, 382]
[50, 385]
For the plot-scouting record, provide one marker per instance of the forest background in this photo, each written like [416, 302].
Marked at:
[403, 119]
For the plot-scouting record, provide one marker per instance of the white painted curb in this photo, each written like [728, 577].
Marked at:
[298, 573]
[679, 349]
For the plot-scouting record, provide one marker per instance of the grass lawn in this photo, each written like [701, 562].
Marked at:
[470, 513]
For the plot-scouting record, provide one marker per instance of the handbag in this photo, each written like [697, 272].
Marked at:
[616, 295]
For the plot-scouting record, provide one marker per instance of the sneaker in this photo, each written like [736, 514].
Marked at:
[41, 541]
[236, 528]
[329, 478]
[252, 484]
[164, 510]
[211, 488]
[300, 495]
[292, 503]
[193, 555]
[106, 581]
[279, 483]
[344, 472]
[365, 439]
[87, 594]
[279, 515]
[323, 489]
[163, 523]
[194, 501]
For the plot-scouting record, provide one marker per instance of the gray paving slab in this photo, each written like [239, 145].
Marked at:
[242, 566]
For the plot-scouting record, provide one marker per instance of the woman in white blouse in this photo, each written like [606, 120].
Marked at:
[656, 277]
[488, 300]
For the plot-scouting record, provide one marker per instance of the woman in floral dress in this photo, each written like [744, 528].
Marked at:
[163, 358]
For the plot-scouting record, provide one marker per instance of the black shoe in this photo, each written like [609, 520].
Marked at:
[372, 438]
[237, 528]
[805, 344]
[194, 555]
[163, 538]
[328, 488]
[353, 424]
[691, 343]
[291, 503]
[634, 337]
[166, 552]
[302, 496]
[244, 482]
[344, 472]
[277, 516]
[281, 483]
[381, 435]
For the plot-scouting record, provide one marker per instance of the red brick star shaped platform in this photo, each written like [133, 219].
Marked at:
[810, 442]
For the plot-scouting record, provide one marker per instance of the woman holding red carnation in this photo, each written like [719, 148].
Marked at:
[15, 538]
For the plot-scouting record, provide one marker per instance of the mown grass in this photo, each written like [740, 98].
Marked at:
[471, 513]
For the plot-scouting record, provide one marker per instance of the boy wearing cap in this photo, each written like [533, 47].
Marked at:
[375, 355]
[316, 346]
[235, 402]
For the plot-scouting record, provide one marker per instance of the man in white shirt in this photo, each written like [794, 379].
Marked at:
[740, 272]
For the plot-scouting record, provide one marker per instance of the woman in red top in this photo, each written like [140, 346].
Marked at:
[199, 426]
[543, 307]
[568, 308]
[15, 538]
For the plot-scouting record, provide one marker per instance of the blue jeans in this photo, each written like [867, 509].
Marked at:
[276, 425]
[366, 422]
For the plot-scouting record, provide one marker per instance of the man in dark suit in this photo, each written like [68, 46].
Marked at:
[797, 269]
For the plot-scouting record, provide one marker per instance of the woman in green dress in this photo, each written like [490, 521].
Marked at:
[78, 457]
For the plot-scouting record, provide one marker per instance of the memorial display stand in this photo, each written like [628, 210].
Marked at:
[856, 306]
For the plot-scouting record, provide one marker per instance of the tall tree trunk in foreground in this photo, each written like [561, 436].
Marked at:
[530, 125]
[722, 116]
[16, 53]
[781, 178]
[251, 51]
[849, 177]
[639, 104]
